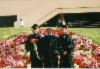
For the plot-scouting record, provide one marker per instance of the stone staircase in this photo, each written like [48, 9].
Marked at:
[40, 11]
[40, 15]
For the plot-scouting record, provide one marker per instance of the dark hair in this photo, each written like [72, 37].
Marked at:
[49, 29]
[20, 19]
[35, 26]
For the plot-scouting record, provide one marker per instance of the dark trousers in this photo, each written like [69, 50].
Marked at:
[35, 62]
[50, 61]
[66, 61]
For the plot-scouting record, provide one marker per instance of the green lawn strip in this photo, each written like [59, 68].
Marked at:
[93, 34]
[10, 32]
[7, 33]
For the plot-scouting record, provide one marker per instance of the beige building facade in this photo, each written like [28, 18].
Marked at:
[40, 11]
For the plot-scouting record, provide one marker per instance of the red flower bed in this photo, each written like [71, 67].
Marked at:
[13, 54]
[86, 52]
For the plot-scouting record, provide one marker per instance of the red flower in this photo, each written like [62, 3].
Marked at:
[97, 51]
[28, 61]
[24, 56]
[85, 55]
[77, 59]
[82, 65]
[0, 51]
[21, 66]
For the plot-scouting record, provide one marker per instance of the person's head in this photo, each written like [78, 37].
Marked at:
[59, 20]
[49, 31]
[36, 31]
[65, 31]
[20, 19]
[35, 28]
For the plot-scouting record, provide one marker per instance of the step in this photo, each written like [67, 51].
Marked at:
[89, 26]
[95, 24]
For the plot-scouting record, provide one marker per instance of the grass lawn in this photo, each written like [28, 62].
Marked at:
[6, 33]
[93, 34]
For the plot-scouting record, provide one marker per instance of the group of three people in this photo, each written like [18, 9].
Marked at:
[50, 51]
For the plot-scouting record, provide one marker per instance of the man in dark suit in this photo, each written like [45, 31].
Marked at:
[51, 52]
[61, 23]
[33, 45]
[67, 45]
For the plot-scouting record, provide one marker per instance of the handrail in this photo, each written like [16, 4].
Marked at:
[46, 15]
[49, 14]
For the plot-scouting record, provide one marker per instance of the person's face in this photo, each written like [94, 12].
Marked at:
[36, 31]
[64, 31]
[49, 32]
[59, 20]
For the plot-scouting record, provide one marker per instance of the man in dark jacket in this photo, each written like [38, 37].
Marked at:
[51, 52]
[33, 45]
[67, 44]
[61, 23]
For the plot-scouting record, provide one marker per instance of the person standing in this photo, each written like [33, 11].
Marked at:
[64, 24]
[67, 45]
[21, 23]
[59, 23]
[33, 45]
[51, 52]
